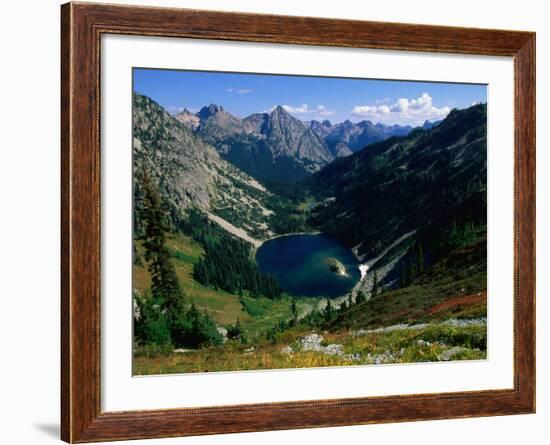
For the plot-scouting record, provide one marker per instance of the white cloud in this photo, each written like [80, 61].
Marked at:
[423, 102]
[364, 110]
[300, 109]
[406, 111]
[323, 111]
[238, 90]
[401, 105]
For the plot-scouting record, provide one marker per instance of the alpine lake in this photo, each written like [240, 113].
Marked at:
[309, 265]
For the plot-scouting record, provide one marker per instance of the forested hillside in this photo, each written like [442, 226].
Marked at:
[431, 178]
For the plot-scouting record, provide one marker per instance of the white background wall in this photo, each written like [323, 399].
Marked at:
[29, 224]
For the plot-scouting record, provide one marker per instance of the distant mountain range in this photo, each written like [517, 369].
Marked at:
[277, 146]
[268, 146]
[348, 137]
[431, 177]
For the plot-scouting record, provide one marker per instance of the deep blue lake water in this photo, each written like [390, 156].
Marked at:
[298, 264]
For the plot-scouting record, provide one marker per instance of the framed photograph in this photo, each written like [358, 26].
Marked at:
[275, 222]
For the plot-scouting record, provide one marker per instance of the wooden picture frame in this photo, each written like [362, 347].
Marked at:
[82, 25]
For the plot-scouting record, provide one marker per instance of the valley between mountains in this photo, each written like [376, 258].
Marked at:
[270, 242]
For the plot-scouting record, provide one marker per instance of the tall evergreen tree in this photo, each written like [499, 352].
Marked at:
[360, 298]
[405, 275]
[294, 311]
[235, 332]
[165, 287]
[150, 323]
[343, 307]
[328, 310]
[374, 290]
[420, 258]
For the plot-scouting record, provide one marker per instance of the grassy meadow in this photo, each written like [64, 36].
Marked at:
[427, 344]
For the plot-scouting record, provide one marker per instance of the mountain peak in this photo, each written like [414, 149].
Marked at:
[279, 109]
[427, 125]
[279, 114]
[184, 112]
[324, 123]
[430, 124]
[210, 110]
[187, 118]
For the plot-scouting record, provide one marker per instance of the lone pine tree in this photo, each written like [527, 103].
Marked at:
[165, 287]
[294, 311]
[374, 290]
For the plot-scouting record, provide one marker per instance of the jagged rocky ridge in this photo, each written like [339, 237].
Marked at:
[347, 137]
[268, 146]
[278, 147]
[190, 172]
[188, 119]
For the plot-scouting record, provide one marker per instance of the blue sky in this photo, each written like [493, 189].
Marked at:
[307, 98]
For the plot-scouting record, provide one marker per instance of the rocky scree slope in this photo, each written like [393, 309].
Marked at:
[190, 172]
